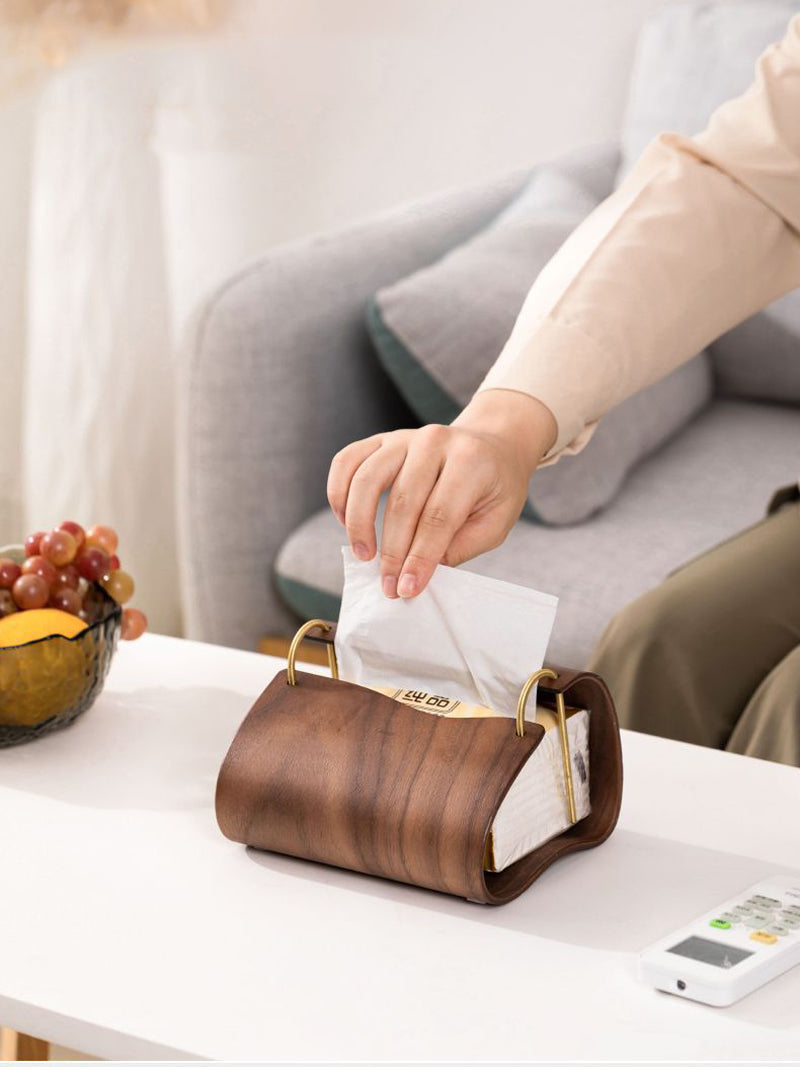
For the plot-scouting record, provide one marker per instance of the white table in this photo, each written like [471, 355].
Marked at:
[130, 928]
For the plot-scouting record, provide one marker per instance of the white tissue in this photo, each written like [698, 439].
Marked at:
[535, 809]
[465, 636]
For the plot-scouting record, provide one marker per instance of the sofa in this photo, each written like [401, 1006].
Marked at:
[279, 372]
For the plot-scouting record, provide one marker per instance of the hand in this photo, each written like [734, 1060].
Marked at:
[456, 490]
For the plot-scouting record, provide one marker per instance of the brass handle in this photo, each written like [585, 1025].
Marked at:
[561, 712]
[297, 641]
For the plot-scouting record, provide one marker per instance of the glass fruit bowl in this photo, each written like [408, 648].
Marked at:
[47, 683]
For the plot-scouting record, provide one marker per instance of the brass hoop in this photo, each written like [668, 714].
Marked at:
[561, 713]
[297, 641]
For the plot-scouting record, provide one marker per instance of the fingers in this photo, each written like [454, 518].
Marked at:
[405, 505]
[480, 533]
[453, 496]
[343, 466]
[376, 473]
[445, 512]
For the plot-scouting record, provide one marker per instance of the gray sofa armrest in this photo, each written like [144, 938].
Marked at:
[277, 375]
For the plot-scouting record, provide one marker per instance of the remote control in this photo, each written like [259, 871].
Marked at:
[732, 950]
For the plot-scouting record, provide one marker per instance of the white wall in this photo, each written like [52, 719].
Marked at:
[314, 113]
[361, 103]
[159, 165]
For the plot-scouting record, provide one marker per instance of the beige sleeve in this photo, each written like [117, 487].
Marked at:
[702, 233]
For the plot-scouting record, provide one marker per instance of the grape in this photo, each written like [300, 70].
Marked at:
[92, 563]
[9, 572]
[40, 566]
[119, 585]
[31, 591]
[67, 577]
[66, 599]
[113, 563]
[134, 624]
[59, 547]
[102, 537]
[7, 603]
[76, 530]
[32, 543]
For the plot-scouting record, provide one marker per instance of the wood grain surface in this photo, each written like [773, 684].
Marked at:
[334, 772]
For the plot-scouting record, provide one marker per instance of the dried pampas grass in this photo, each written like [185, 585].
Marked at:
[50, 30]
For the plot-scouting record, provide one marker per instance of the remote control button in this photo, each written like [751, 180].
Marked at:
[720, 924]
[792, 909]
[755, 921]
[729, 917]
[790, 920]
[743, 909]
[778, 929]
[763, 937]
[764, 902]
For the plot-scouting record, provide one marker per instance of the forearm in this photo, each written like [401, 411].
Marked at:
[701, 234]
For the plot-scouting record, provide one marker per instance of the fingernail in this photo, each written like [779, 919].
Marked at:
[407, 585]
[390, 585]
[360, 551]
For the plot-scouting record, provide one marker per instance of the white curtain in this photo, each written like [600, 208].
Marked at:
[132, 188]
[15, 126]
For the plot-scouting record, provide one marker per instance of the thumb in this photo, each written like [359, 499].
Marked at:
[478, 534]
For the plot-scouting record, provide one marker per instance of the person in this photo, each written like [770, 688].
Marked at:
[703, 232]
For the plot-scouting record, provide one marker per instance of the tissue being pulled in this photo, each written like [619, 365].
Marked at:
[466, 636]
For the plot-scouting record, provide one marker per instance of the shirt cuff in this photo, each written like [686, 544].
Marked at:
[550, 363]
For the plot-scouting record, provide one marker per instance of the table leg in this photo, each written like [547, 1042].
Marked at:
[279, 646]
[16, 1047]
[8, 1044]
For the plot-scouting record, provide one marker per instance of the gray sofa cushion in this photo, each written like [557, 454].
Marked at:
[690, 59]
[705, 485]
[761, 358]
[579, 486]
[438, 331]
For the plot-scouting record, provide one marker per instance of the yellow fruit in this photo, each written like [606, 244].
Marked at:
[24, 626]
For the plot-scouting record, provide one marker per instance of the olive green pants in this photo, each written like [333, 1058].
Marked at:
[712, 655]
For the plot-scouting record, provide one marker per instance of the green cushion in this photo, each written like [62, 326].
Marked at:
[426, 396]
[308, 601]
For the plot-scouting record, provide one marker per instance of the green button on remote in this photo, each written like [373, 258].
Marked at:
[720, 924]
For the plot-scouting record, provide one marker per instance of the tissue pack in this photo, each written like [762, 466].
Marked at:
[474, 638]
[477, 640]
[535, 809]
